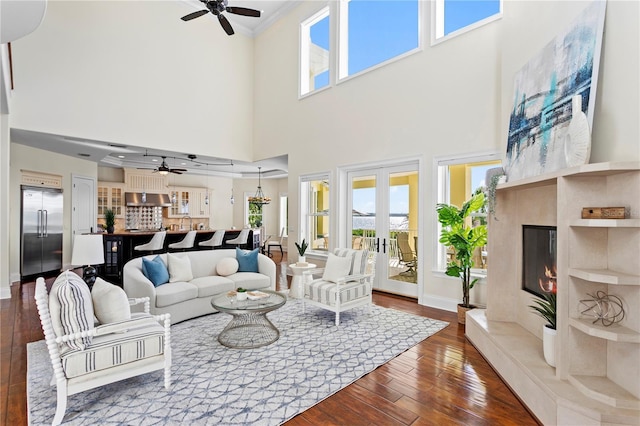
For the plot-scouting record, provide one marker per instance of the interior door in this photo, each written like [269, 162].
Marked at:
[383, 216]
[84, 205]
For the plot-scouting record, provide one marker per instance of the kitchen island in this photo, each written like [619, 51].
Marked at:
[119, 247]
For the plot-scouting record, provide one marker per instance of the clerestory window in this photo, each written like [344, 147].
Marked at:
[314, 52]
[372, 32]
[453, 17]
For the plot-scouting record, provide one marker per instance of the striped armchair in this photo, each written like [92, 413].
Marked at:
[344, 284]
[86, 355]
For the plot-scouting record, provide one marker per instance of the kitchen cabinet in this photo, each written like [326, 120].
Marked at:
[113, 259]
[111, 196]
[188, 202]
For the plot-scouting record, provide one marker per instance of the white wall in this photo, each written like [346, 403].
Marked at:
[23, 157]
[5, 247]
[132, 72]
[448, 99]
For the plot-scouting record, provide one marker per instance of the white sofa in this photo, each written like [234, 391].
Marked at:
[185, 300]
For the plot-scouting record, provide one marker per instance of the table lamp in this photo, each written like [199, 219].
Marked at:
[88, 250]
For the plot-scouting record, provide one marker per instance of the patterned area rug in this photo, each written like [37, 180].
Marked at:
[215, 385]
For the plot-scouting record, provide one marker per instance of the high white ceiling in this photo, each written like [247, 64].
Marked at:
[110, 154]
[272, 10]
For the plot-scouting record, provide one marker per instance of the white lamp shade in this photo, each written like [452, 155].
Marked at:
[87, 250]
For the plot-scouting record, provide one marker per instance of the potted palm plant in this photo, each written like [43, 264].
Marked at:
[109, 220]
[546, 308]
[463, 238]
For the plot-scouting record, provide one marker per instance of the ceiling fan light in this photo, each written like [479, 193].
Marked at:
[163, 172]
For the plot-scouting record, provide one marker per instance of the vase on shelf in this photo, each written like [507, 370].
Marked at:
[577, 144]
[549, 336]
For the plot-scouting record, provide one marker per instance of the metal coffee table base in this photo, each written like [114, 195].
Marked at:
[248, 330]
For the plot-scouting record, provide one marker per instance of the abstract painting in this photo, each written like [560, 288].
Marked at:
[543, 90]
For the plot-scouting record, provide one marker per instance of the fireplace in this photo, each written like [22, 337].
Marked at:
[539, 256]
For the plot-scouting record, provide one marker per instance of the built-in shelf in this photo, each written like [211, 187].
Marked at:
[605, 276]
[606, 223]
[604, 390]
[614, 332]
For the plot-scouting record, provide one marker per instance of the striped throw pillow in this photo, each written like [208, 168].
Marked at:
[71, 308]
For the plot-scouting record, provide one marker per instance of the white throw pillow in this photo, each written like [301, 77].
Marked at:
[110, 302]
[71, 308]
[179, 268]
[336, 267]
[227, 266]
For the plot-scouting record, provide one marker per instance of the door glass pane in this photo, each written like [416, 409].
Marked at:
[363, 217]
[403, 227]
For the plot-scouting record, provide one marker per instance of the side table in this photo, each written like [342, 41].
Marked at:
[297, 286]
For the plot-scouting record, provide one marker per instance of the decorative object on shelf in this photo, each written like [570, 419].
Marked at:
[493, 177]
[604, 213]
[109, 220]
[464, 239]
[259, 198]
[577, 143]
[302, 248]
[604, 307]
[546, 308]
[539, 123]
[88, 250]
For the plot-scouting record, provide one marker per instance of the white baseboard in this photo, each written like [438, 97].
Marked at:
[14, 277]
[5, 292]
[444, 303]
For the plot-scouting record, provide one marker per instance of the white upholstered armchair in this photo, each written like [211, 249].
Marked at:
[344, 284]
[86, 355]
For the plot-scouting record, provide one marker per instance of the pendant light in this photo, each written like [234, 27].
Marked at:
[233, 200]
[206, 198]
[259, 198]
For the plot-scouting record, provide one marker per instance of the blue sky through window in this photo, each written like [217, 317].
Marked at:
[320, 36]
[461, 13]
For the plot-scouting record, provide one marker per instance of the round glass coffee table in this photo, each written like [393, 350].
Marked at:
[249, 326]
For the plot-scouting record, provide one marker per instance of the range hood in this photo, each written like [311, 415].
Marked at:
[152, 200]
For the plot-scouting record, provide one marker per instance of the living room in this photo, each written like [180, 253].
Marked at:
[237, 97]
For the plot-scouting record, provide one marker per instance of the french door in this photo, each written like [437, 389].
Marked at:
[383, 218]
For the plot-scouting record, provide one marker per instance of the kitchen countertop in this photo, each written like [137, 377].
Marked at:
[150, 232]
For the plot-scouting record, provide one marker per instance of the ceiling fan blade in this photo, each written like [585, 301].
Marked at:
[194, 15]
[225, 24]
[176, 172]
[243, 11]
[145, 168]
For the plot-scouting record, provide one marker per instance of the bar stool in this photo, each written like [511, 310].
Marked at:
[186, 243]
[156, 243]
[214, 241]
[241, 239]
[274, 244]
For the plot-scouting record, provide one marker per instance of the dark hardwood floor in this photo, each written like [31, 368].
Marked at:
[441, 381]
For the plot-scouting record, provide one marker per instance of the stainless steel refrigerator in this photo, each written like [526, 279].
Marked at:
[41, 230]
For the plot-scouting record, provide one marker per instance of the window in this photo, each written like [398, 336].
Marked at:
[458, 180]
[314, 212]
[284, 213]
[459, 16]
[314, 52]
[372, 32]
[254, 212]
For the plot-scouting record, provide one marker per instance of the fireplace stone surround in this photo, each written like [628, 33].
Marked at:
[597, 374]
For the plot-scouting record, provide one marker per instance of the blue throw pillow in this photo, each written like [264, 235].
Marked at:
[247, 260]
[155, 270]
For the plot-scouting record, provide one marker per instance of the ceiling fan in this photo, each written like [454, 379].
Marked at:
[217, 7]
[164, 169]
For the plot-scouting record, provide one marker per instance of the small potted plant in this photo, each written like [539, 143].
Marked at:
[546, 308]
[241, 294]
[109, 220]
[302, 248]
[463, 239]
